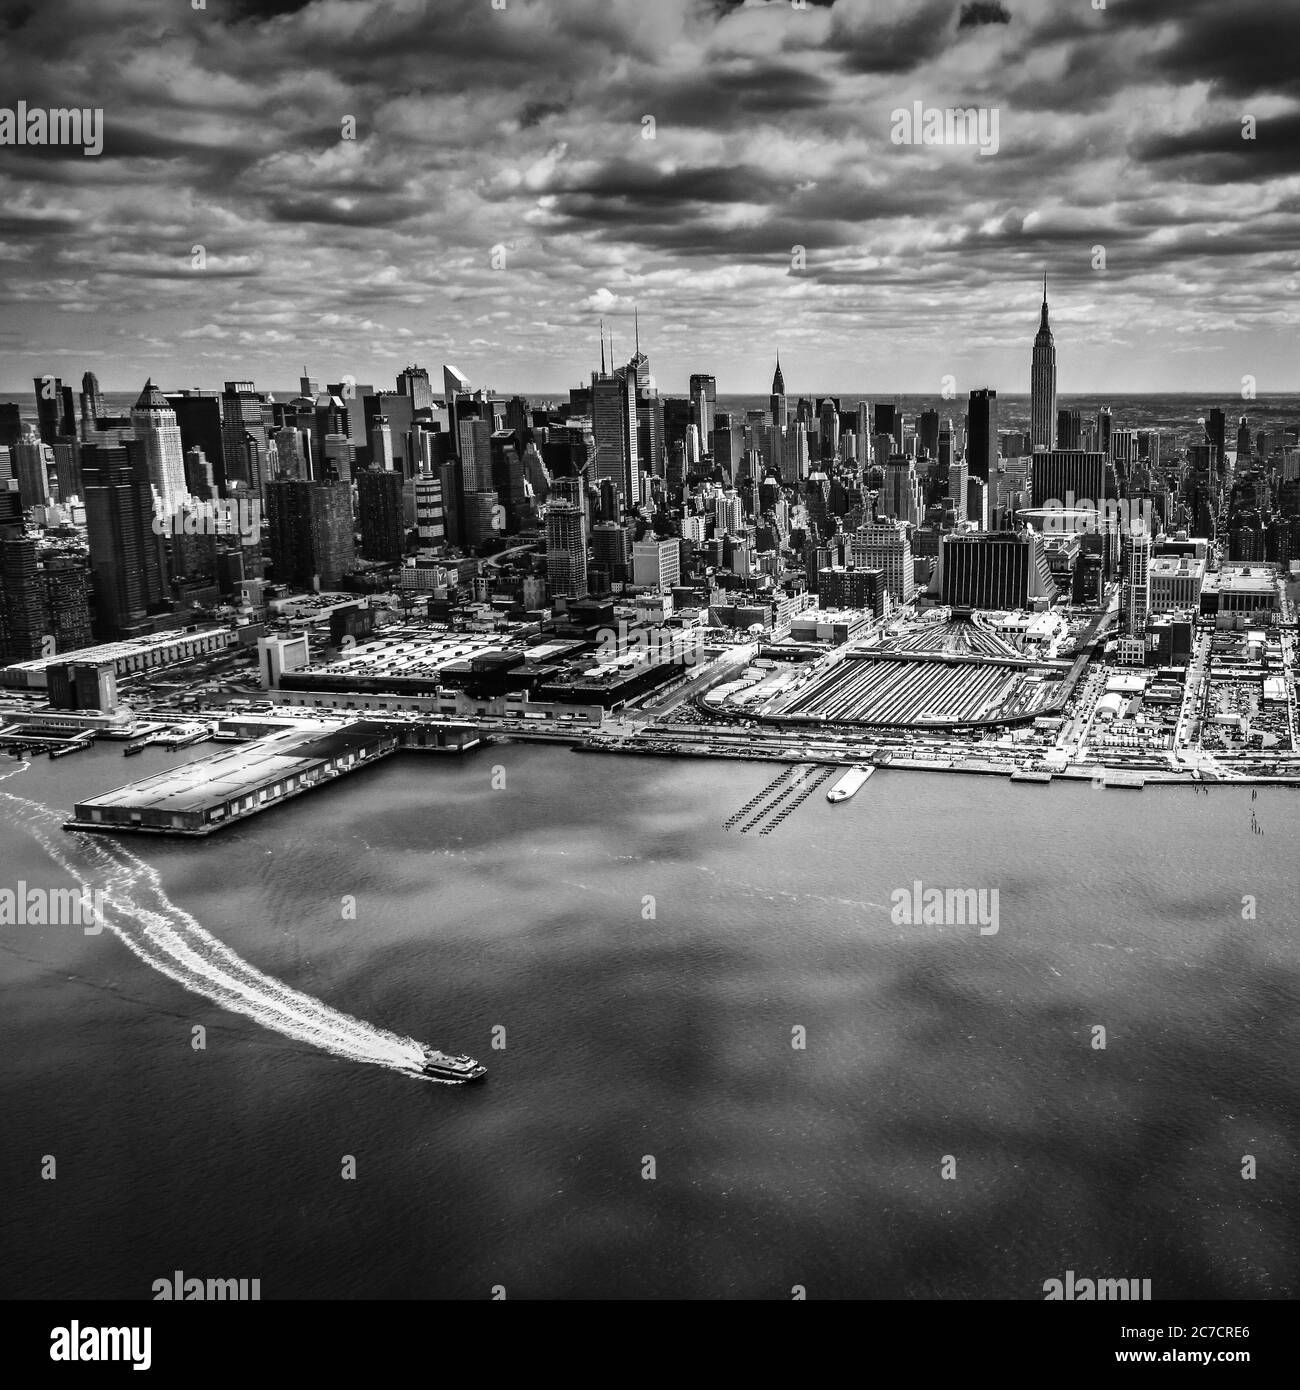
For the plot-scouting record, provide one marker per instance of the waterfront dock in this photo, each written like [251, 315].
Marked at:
[204, 796]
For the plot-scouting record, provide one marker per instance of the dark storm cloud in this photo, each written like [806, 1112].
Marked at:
[1217, 153]
[899, 44]
[1239, 48]
[982, 12]
[524, 126]
[731, 97]
[368, 212]
[668, 190]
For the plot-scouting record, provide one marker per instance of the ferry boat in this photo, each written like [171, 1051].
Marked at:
[447, 1068]
[850, 782]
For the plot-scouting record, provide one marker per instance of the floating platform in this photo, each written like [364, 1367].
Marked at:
[1021, 775]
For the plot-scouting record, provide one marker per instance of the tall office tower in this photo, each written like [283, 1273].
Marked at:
[199, 481]
[614, 432]
[649, 425]
[610, 507]
[977, 502]
[67, 468]
[927, 432]
[92, 404]
[728, 449]
[776, 401]
[1244, 446]
[337, 459]
[454, 385]
[1104, 430]
[693, 451]
[519, 418]
[704, 402]
[11, 509]
[1124, 447]
[982, 434]
[379, 507]
[127, 558]
[309, 531]
[992, 570]
[862, 428]
[1216, 430]
[1137, 587]
[828, 429]
[381, 443]
[481, 517]
[656, 565]
[677, 420]
[154, 424]
[67, 591]
[243, 439]
[1042, 384]
[611, 548]
[11, 424]
[900, 498]
[888, 421]
[795, 461]
[475, 441]
[956, 488]
[198, 413]
[308, 385]
[31, 460]
[453, 501]
[54, 409]
[1068, 478]
[507, 467]
[566, 549]
[292, 457]
[1069, 428]
[24, 607]
[885, 546]
[430, 516]
[414, 382]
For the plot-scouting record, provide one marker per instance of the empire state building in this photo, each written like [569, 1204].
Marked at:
[1042, 384]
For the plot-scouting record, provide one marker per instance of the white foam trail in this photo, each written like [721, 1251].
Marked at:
[139, 913]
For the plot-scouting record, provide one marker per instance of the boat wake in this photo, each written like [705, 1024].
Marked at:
[137, 910]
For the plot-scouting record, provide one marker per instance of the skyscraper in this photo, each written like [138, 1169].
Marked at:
[429, 518]
[92, 404]
[1068, 478]
[1042, 384]
[982, 434]
[24, 607]
[414, 382]
[54, 411]
[704, 402]
[777, 399]
[156, 430]
[126, 556]
[309, 530]
[198, 413]
[1137, 587]
[566, 550]
[614, 432]
[379, 504]
[243, 439]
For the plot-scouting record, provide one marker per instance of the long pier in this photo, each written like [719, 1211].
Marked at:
[204, 796]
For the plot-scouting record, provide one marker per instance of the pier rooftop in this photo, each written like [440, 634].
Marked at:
[200, 797]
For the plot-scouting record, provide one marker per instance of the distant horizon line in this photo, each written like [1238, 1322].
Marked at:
[685, 391]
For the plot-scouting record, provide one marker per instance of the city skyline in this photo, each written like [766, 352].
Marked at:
[500, 197]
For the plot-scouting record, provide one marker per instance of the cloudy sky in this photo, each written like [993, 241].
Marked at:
[501, 195]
